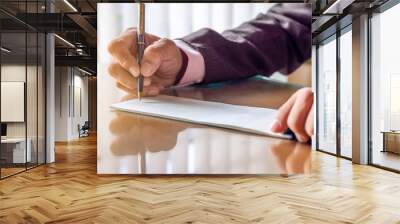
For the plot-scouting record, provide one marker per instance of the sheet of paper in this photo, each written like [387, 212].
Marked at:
[249, 119]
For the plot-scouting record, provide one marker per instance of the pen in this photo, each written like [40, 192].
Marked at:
[140, 47]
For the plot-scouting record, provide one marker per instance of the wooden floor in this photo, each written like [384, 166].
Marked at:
[69, 191]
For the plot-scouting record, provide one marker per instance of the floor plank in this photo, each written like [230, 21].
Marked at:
[70, 191]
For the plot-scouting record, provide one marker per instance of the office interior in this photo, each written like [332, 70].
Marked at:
[49, 87]
[47, 80]
[355, 67]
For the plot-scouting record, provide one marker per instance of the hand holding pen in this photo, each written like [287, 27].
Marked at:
[158, 67]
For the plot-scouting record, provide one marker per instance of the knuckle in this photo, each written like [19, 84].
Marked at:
[125, 63]
[112, 68]
[130, 29]
[153, 52]
[306, 96]
[307, 93]
[167, 43]
[113, 46]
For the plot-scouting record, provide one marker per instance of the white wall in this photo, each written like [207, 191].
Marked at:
[70, 83]
[33, 127]
[13, 100]
[12, 73]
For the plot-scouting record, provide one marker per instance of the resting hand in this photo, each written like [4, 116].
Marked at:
[160, 65]
[297, 114]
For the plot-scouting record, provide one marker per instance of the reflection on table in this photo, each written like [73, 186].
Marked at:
[167, 147]
[135, 144]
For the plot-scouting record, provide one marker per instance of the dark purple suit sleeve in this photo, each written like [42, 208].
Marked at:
[279, 40]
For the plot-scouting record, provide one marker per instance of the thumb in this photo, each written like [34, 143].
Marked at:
[151, 60]
[154, 55]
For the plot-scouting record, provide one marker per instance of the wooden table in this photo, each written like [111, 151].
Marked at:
[136, 144]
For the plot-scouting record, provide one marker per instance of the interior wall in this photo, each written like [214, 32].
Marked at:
[80, 103]
[71, 102]
[17, 73]
[61, 103]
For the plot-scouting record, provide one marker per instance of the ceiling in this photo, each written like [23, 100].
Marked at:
[76, 22]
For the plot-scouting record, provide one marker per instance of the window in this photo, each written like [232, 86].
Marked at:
[385, 89]
[22, 78]
[326, 96]
[346, 92]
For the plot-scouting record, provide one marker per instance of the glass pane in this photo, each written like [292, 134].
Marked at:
[346, 94]
[385, 84]
[13, 87]
[327, 97]
[31, 98]
[32, 88]
[41, 98]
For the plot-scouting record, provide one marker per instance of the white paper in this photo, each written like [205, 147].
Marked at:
[249, 119]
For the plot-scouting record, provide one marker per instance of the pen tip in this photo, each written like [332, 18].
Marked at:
[140, 96]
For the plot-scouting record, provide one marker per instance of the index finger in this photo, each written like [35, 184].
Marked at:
[280, 123]
[121, 49]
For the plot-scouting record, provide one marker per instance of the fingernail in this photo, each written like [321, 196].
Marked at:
[134, 72]
[276, 126]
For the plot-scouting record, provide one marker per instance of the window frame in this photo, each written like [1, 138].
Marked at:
[27, 29]
[378, 10]
[335, 36]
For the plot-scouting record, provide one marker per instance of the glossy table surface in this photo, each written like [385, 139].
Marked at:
[135, 144]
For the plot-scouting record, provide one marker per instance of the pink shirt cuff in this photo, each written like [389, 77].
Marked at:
[195, 65]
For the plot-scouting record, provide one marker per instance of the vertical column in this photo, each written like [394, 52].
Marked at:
[314, 88]
[338, 99]
[360, 90]
[50, 92]
[50, 99]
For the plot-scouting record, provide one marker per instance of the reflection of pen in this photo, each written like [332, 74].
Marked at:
[140, 47]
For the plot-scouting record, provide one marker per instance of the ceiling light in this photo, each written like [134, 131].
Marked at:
[337, 7]
[64, 40]
[84, 71]
[70, 5]
[5, 50]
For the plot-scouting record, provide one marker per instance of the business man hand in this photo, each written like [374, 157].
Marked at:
[297, 114]
[160, 65]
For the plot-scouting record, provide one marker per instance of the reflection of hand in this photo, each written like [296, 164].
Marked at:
[297, 114]
[136, 134]
[160, 65]
[292, 157]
